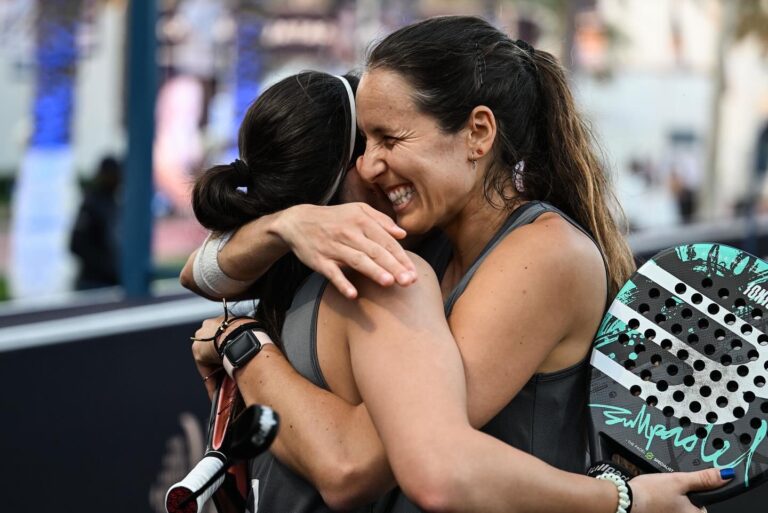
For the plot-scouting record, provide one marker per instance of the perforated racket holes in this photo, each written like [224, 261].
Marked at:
[662, 385]
[696, 299]
[746, 329]
[689, 380]
[701, 432]
[729, 319]
[722, 402]
[623, 338]
[745, 439]
[718, 443]
[666, 344]
[720, 334]
[654, 292]
[676, 329]
[738, 412]
[656, 360]
[757, 314]
[695, 406]
[740, 303]
[672, 370]
[732, 386]
[670, 303]
[645, 375]
[705, 391]
[660, 318]
[680, 288]
[755, 423]
[726, 360]
[668, 411]
[736, 344]
[678, 396]
[762, 339]
[742, 370]
[699, 365]
[753, 355]
[709, 350]
[728, 428]
[649, 334]
[749, 396]
[713, 309]
[629, 364]
[706, 283]
[764, 407]
[686, 313]
[693, 338]
[723, 293]
[652, 400]
[711, 417]
[685, 422]
[633, 324]
[643, 309]
[635, 390]
[682, 354]
[759, 382]
[715, 375]
[703, 323]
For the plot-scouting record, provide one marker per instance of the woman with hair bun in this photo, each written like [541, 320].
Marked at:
[477, 135]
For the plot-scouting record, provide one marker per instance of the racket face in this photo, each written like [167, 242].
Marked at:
[679, 368]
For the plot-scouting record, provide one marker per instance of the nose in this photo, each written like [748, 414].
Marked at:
[370, 165]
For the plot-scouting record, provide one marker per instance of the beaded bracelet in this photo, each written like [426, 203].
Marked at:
[625, 503]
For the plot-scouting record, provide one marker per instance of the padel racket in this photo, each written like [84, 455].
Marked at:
[234, 435]
[679, 368]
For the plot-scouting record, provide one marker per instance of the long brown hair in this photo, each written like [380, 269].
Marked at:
[543, 150]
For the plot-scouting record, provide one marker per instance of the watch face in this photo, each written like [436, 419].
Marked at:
[242, 348]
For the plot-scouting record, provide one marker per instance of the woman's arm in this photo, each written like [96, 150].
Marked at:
[324, 238]
[329, 441]
[410, 374]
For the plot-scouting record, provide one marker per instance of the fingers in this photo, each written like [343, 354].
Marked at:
[337, 278]
[385, 221]
[709, 479]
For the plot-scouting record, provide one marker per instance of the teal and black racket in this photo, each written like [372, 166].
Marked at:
[680, 365]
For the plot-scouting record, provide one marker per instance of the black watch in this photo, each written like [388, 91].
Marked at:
[239, 350]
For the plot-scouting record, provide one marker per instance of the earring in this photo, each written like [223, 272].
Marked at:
[474, 164]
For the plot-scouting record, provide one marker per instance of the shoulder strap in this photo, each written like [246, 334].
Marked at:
[525, 214]
[300, 328]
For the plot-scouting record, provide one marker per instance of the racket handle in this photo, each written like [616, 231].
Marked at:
[192, 483]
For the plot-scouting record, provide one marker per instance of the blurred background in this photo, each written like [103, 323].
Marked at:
[110, 108]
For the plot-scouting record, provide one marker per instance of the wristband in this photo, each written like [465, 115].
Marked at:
[208, 275]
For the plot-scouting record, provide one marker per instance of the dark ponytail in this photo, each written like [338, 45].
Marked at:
[293, 144]
[543, 149]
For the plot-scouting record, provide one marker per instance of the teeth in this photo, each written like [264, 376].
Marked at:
[400, 195]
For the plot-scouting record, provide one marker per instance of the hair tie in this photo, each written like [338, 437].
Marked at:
[241, 168]
[352, 136]
[523, 45]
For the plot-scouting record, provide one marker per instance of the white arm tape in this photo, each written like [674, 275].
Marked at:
[207, 273]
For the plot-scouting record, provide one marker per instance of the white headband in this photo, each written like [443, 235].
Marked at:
[352, 135]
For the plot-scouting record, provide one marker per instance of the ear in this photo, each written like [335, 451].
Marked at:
[481, 128]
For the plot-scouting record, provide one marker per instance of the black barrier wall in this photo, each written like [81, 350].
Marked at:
[103, 424]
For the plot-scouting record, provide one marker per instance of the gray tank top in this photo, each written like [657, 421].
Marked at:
[548, 417]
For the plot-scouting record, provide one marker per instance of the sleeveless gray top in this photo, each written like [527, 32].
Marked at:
[548, 417]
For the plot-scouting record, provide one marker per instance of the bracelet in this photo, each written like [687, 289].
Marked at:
[625, 502]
